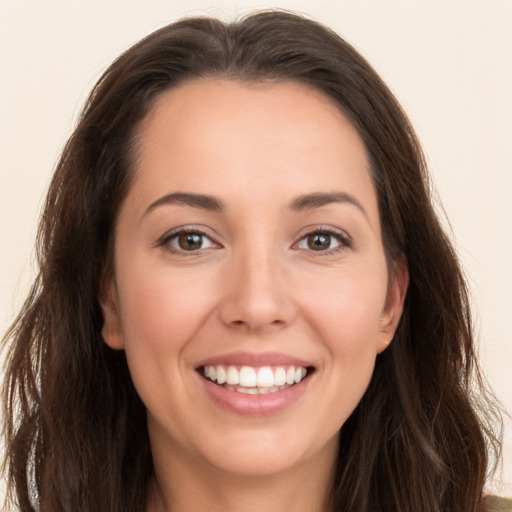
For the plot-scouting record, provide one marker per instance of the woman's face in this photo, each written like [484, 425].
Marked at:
[251, 291]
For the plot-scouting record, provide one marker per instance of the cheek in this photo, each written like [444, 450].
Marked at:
[347, 308]
[161, 312]
[349, 326]
[342, 314]
[161, 309]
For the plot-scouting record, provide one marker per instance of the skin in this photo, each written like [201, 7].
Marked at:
[256, 284]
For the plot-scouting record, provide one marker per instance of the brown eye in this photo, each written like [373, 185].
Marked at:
[319, 242]
[322, 241]
[187, 241]
[190, 241]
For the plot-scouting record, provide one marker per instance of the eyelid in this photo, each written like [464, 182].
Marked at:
[345, 240]
[163, 241]
[342, 236]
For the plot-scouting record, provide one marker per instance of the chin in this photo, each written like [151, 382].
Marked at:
[259, 454]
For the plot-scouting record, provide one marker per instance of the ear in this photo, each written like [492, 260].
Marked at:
[111, 331]
[393, 308]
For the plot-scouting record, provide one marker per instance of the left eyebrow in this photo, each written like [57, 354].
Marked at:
[319, 199]
[200, 201]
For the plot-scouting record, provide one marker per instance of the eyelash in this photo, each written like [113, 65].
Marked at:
[165, 240]
[343, 239]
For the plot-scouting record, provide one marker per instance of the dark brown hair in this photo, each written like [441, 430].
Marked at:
[75, 428]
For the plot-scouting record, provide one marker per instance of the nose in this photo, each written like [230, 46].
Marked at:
[258, 296]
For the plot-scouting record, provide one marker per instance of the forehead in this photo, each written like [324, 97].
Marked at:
[258, 111]
[218, 136]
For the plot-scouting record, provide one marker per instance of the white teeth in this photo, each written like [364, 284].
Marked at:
[255, 380]
[265, 377]
[256, 391]
[280, 377]
[247, 377]
[300, 373]
[221, 375]
[232, 376]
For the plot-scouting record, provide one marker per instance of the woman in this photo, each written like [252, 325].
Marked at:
[246, 301]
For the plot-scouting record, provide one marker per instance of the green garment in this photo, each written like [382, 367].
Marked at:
[497, 504]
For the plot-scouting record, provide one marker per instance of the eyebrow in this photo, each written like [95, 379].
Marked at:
[214, 204]
[319, 199]
[201, 201]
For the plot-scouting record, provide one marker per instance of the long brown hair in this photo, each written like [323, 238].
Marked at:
[75, 428]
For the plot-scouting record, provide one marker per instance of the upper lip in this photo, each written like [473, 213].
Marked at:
[255, 359]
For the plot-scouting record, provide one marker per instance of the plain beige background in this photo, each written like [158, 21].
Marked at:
[448, 61]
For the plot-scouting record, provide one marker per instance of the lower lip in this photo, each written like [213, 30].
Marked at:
[255, 405]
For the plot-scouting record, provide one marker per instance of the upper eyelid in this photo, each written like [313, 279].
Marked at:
[171, 233]
[309, 230]
[214, 237]
[344, 239]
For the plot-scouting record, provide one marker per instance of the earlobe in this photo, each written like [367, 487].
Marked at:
[111, 331]
[394, 306]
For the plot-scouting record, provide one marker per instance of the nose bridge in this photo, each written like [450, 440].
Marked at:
[258, 295]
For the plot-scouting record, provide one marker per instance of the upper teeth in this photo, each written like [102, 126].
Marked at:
[247, 376]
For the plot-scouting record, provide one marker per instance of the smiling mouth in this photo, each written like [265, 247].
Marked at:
[255, 381]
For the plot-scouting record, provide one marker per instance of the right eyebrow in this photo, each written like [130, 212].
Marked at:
[319, 199]
[201, 201]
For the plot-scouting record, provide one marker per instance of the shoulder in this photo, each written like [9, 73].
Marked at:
[497, 504]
